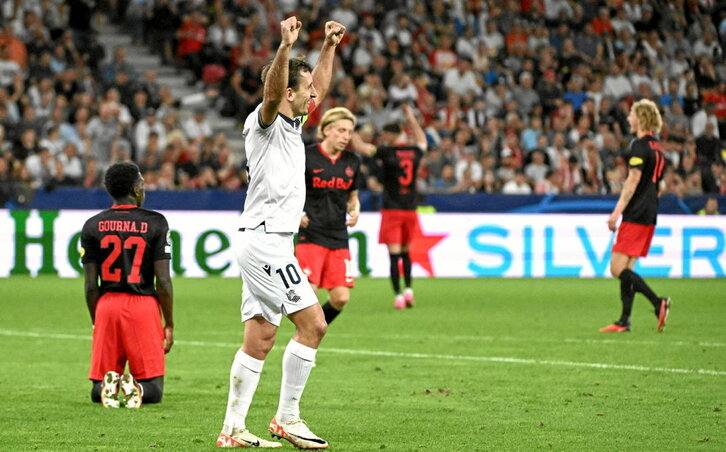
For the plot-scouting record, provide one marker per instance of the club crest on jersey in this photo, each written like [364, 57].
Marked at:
[292, 296]
[349, 171]
[266, 268]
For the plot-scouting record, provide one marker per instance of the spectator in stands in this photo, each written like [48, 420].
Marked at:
[7, 183]
[470, 165]
[710, 207]
[708, 146]
[712, 178]
[707, 46]
[704, 116]
[144, 128]
[59, 177]
[103, 130]
[191, 36]
[41, 167]
[72, 164]
[537, 170]
[462, 80]
[518, 185]
[446, 182]
[26, 146]
[92, 175]
[222, 38]
[197, 127]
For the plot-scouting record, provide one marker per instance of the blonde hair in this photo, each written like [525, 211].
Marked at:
[332, 115]
[648, 115]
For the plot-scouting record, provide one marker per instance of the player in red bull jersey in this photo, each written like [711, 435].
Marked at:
[126, 253]
[638, 205]
[331, 176]
[399, 165]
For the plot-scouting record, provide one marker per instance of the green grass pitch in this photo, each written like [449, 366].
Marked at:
[478, 364]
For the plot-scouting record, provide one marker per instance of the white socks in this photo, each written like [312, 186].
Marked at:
[297, 362]
[243, 379]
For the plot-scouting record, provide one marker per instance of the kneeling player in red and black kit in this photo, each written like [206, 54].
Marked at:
[399, 222]
[331, 179]
[638, 205]
[123, 249]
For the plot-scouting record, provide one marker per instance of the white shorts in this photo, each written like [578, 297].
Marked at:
[272, 282]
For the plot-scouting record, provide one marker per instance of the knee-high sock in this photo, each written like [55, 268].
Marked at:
[626, 295]
[330, 312]
[395, 277]
[406, 259]
[640, 286]
[243, 379]
[297, 362]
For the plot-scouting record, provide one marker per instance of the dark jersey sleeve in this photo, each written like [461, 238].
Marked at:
[162, 245]
[638, 155]
[89, 243]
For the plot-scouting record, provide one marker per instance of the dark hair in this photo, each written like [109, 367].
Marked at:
[392, 128]
[294, 67]
[121, 178]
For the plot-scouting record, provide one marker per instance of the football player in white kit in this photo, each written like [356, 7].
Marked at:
[273, 283]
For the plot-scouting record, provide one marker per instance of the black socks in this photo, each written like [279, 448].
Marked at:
[406, 259]
[330, 312]
[395, 276]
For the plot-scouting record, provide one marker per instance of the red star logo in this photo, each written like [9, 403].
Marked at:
[420, 247]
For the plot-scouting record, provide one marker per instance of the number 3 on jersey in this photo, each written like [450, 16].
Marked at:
[407, 177]
[133, 275]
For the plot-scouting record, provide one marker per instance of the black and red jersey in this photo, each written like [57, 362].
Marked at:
[399, 166]
[125, 241]
[328, 184]
[645, 154]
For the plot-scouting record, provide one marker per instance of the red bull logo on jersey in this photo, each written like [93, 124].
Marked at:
[333, 182]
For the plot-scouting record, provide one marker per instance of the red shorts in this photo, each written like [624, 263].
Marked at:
[633, 239]
[397, 226]
[127, 328]
[324, 267]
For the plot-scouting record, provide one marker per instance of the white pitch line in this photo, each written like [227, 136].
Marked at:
[618, 341]
[344, 351]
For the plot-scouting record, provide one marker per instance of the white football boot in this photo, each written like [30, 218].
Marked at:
[298, 433]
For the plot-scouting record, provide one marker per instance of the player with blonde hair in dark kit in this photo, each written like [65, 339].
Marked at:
[331, 176]
[638, 205]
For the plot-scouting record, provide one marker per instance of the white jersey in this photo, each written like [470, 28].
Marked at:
[276, 167]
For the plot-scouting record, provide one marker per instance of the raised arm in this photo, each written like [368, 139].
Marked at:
[359, 145]
[323, 70]
[277, 76]
[418, 134]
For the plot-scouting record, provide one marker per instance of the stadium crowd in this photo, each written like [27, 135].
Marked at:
[516, 97]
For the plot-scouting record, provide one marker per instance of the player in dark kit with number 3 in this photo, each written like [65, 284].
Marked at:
[124, 249]
[399, 222]
[638, 204]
